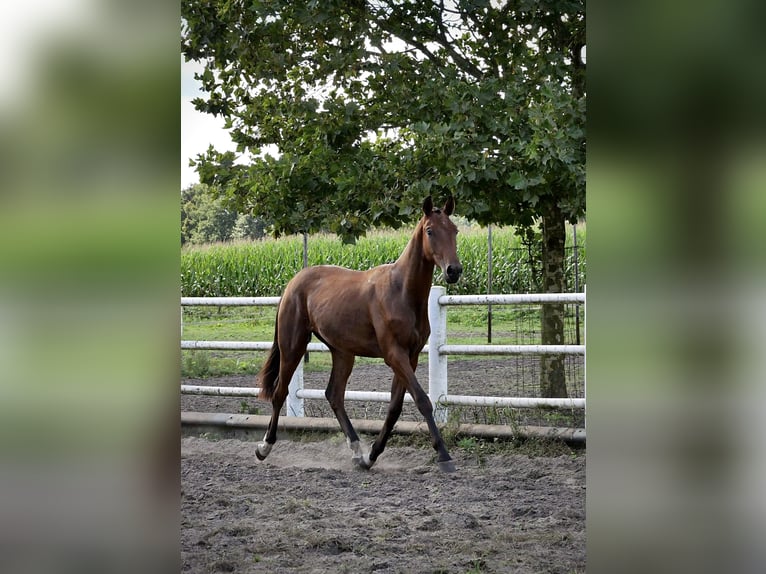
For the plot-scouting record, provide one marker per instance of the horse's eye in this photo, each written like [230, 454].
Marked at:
[428, 231]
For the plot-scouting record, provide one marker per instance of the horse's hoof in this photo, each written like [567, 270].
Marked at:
[356, 448]
[363, 462]
[262, 450]
[447, 465]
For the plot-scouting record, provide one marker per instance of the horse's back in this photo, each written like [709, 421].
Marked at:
[319, 278]
[337, 305]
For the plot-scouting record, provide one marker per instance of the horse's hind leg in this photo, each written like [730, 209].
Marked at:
[342, 364]
[287, 368]
[263, 448]
[292, 346]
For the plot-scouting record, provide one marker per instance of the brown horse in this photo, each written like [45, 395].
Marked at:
[382, 312]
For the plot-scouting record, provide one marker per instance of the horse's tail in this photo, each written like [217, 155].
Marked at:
[269, 373]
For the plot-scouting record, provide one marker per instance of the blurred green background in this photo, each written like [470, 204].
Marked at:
[676, 212]
[89, 285]
[89, 265]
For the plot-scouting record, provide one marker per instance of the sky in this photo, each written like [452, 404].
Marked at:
[198, 130]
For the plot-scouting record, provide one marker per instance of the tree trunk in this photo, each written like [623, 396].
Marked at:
[552, 378]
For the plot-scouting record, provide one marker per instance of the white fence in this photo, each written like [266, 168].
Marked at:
[437, 350]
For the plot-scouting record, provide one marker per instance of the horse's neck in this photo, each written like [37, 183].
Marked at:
[416, 271]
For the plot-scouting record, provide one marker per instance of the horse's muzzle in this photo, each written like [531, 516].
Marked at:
[452, 273]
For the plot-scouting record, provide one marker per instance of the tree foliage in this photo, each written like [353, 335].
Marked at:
[347, 113]
[206, 218]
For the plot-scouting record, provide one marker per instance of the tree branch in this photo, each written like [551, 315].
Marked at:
[442, 38]
[385, 21]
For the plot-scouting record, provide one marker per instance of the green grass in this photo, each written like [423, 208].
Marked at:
[479, 448]
[465, 325]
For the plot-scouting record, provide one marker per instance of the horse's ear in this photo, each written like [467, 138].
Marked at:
[449, 207]
[428, 205]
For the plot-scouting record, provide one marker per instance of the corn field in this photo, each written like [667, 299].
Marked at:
[263, 268]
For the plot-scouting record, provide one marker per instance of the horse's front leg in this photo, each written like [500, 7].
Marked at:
[423, 402]
[394, 411]
[404, 371]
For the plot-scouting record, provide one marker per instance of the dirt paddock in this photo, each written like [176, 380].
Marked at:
[308, 509]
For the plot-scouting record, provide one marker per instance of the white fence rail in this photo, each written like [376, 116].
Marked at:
[437, 350]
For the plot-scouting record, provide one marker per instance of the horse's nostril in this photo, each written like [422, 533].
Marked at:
[453, 272]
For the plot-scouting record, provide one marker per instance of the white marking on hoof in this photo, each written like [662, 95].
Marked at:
[262, 450]
[447, 466]
[356, 448]
[359, 458]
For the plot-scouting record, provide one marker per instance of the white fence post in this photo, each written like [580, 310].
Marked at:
[294, 402]
[437, 363]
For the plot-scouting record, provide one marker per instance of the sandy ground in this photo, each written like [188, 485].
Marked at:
[308, 509]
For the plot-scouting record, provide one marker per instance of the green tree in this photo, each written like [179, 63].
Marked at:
[205, 217]
[352, 111]
[248, 227]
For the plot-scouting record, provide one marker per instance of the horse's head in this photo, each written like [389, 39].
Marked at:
[440, 238]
